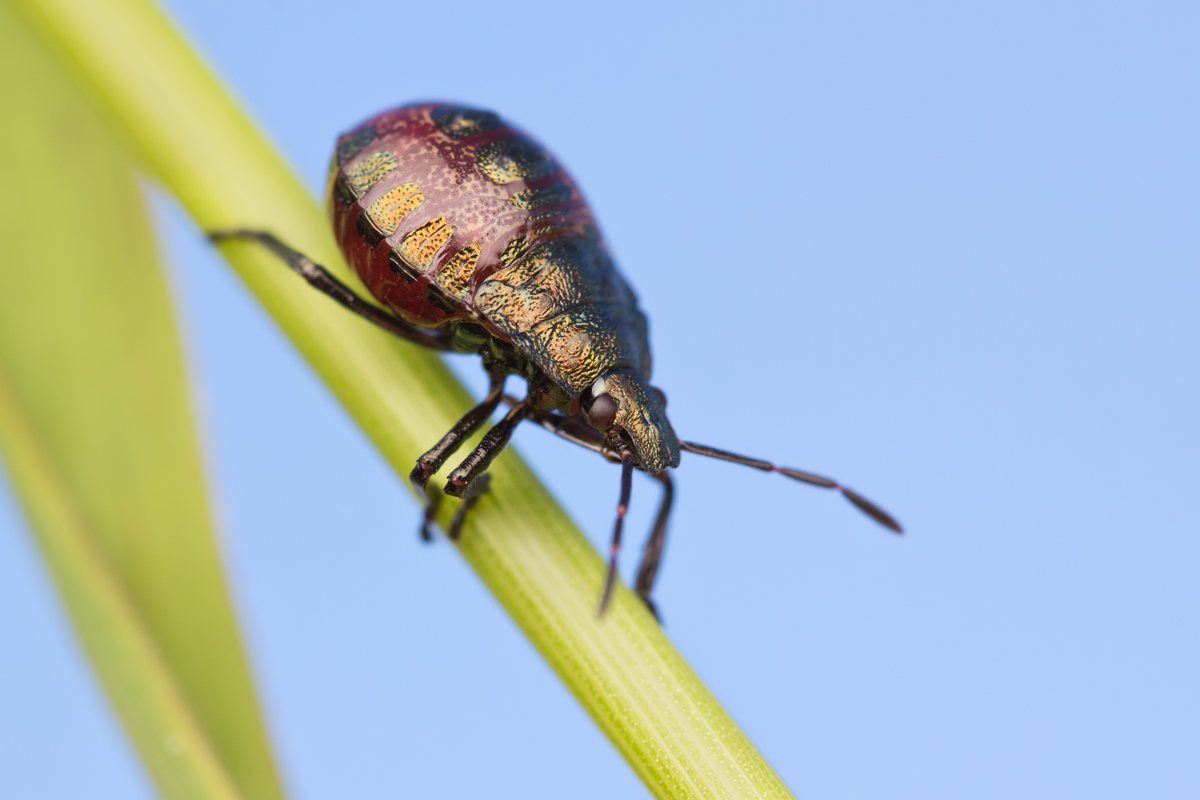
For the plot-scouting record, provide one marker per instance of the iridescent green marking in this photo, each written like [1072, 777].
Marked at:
[368, 172]
[458, 122]
[515, 158]
[530, 199]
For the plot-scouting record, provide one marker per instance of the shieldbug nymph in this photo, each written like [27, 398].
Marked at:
[476, 240]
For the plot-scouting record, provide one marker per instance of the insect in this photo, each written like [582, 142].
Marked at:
[476, 240]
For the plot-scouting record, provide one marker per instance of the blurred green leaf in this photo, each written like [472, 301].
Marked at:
[97, 434]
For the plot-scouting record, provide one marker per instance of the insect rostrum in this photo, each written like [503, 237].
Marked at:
[475, 240]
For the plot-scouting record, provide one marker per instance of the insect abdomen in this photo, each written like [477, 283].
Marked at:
[441, 208]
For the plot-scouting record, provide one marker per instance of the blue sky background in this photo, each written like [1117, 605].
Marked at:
[943, 253]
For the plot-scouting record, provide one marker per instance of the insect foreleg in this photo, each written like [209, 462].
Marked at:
[436, 456]
[652, 552]
[483, 455]
[571, 429]
[610, 579]
[320, 278]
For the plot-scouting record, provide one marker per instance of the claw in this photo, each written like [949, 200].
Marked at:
[478, 488]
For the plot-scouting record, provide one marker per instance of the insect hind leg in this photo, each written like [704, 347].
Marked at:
[324, 281]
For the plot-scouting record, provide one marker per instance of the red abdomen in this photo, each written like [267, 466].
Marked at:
[428, 200]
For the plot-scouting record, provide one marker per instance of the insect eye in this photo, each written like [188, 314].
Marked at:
[661, 395]
[602, 411]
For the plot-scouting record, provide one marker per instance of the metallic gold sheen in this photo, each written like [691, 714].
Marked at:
[512, 250]
[642, 414]
[559, 303]
[455, 276]
[579, 344]
[515, 158]
[366, 173]
[507, 245]
[387, 211]
[420, 246]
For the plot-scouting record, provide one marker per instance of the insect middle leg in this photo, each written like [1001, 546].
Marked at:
[436, 456]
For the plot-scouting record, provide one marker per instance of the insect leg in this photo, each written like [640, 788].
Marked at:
[433, 459]
[573, 429]
[577, 432]
[652, 552]
[478, 488]
[320, 278]
[610, 579]
[483, 455]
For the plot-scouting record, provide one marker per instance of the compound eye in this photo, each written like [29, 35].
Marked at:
[602, 412]
[661, 395]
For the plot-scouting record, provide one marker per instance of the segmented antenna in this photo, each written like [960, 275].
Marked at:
[863, 504]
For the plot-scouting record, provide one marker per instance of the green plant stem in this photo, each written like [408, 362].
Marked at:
[195, 140]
